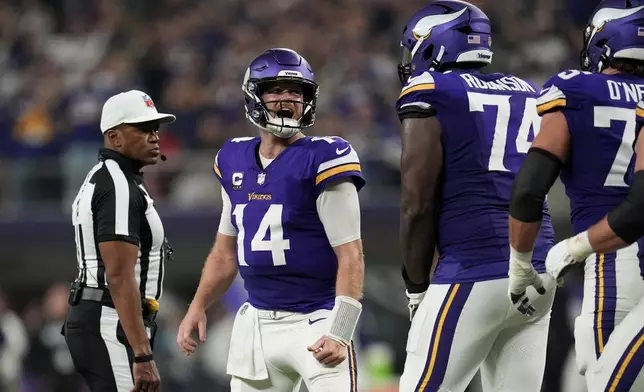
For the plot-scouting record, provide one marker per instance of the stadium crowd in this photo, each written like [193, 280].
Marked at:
[60, 60]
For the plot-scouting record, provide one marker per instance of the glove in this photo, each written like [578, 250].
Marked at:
[566, 253]
[522, 274]
[414, 300]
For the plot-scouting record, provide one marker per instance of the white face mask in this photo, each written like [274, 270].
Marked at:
[282, 127]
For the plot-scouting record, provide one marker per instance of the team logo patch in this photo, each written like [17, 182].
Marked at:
[237, 180]
[148, 101]
[261, 178]
[243, 309]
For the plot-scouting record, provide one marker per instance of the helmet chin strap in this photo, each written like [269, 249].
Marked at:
[604, 60]
[437, 60]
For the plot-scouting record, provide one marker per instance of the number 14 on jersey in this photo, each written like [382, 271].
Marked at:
[270, 226]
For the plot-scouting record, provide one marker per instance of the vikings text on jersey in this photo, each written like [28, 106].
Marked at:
[284, 255]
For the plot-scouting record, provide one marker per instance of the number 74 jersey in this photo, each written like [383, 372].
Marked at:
[488, 122]
[283, 252]
[600, 112]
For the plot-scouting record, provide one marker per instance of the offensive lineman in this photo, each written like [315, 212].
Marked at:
[587, 135]
[464, 136]
[619, 368]
[290, 225]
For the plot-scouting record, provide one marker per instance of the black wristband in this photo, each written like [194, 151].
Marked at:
[144, 358]
[413, 288]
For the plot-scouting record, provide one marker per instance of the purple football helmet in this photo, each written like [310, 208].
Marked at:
[615, 30]
[275, 65]
[442, 33]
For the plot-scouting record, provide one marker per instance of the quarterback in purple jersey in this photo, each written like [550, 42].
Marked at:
[290, 225]
[587, 136]
[464, 136]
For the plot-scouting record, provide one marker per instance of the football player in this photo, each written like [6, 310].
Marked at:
[290, 225]
[587, 136]
[464, 136]
[619, 368]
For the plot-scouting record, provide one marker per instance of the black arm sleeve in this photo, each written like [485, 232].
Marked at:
[538, 172]
[117, 206]
[413, 111]
[627, 220]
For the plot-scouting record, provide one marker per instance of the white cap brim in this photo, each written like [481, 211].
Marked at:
[163, 118]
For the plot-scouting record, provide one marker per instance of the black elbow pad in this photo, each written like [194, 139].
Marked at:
[538, 172]
[627, 220]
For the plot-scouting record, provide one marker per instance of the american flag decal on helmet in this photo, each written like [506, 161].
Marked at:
[474, 39]
[640, 31]
[148, 101]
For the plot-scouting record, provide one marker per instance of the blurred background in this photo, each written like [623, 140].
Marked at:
[61, 59]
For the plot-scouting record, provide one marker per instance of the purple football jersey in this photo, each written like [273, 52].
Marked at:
[488, 123]
[639, 111]
[600, 111]
[283, 253]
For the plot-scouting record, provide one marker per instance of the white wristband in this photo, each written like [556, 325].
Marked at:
[579, 246]
[523, 258]
[344, 319]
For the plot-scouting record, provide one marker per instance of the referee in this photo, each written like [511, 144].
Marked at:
[121, 250]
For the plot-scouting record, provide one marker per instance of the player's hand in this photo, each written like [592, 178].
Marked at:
[146, 377]
[328, 352]
[413, 301]
[521, 275]
[563, 256]
[194, 319]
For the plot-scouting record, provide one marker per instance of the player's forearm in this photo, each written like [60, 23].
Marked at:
[625, 224]
[421, 166]
[127, 301]
[418, 240]
[523, 234]
[217, 276]
[350, 277]
[603, 239]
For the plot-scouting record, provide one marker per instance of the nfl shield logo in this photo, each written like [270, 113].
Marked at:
[261, 177]
[148, 101]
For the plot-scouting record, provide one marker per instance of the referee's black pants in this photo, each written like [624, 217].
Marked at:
[98, 346]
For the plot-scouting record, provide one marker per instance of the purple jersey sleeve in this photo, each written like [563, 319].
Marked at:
[418, 96]
[215, 167]
[334, 158]
[232, 151]
[565, 91]
[639, 113]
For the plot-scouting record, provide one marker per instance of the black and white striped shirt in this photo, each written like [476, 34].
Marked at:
[113, 205]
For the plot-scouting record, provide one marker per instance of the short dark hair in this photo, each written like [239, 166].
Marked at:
[629, 66]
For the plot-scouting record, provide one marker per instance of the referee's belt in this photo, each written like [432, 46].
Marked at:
[150, 306]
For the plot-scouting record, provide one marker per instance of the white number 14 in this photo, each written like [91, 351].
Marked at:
[270, 224]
